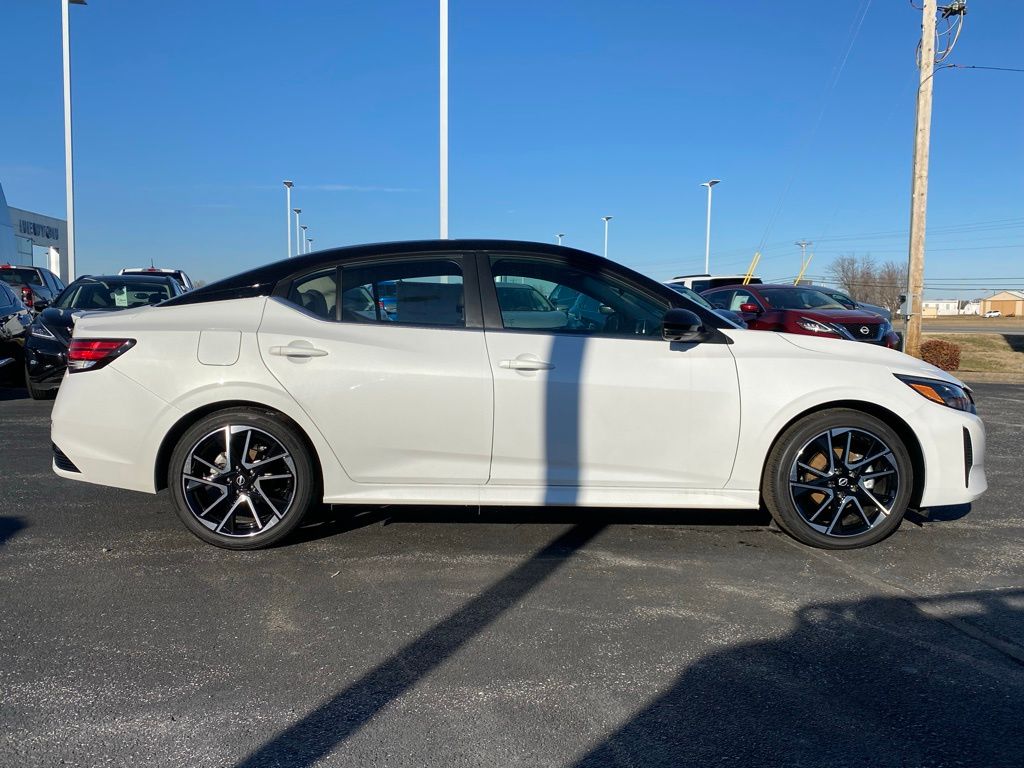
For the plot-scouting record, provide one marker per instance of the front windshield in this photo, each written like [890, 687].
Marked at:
[693, 296]
[798, 298]
[113, 293]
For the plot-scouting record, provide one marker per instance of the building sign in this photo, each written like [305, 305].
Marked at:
[39, 231]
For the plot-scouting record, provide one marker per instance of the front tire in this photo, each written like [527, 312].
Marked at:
[241, 478]
[838, 479]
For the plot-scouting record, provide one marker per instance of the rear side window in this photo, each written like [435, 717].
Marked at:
[406, 292]
[317, 293]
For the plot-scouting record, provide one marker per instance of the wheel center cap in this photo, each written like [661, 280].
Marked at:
[240, 480]
[843, 482]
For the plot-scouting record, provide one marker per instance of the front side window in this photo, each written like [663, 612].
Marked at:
[531, 292]
[404, 291]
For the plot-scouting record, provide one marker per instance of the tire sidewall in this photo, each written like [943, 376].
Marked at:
[280, 430]
[777, 493]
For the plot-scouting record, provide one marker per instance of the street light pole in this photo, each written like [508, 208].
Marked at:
[560, 235]
[310, 241]
[606, 219]
[443, 118]
[69, 177]
[298, 235]
[304, 228]
[707, 237]
[288, 214]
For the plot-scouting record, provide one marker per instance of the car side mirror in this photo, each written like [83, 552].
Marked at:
[604, 309]
[681, 325]
[750, 309]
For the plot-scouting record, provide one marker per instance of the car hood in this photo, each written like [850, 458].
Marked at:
[897, 362]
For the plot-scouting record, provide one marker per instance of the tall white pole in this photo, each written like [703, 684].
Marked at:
[298, 232]
[707, 237]
[304, 247]
[560, 235]
[69, 182]
[288, 215]
[606, 219]
[443, 108]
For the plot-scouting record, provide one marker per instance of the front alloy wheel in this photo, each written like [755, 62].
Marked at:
[838, 479]
[241, 479]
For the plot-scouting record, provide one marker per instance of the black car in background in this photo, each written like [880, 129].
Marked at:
[36, 286]
[46, 347]
[14, 322]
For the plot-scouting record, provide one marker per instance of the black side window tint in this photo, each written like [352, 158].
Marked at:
[316, 293]
[408, 292]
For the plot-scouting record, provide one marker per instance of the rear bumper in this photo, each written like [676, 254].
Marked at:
[113, 445]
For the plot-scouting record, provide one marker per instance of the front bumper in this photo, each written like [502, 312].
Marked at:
[46, 362]
[953, 445]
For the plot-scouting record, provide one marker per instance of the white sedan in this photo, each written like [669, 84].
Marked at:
[257, 397]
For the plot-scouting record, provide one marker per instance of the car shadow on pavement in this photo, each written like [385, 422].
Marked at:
[9, 526]
[13, 393]
[876, 682]
[318, 733]
[340, 519]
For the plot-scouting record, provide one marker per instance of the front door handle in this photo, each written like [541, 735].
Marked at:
[525, 364]
[298, 350]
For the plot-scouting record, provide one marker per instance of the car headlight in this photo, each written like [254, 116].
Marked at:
[814, 326]
[41, 331]
[941, 392]
[885, 328]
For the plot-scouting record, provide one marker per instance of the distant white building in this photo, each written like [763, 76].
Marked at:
[972, 307]
[940, 307]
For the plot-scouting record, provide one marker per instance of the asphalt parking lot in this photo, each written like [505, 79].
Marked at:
[505, 637]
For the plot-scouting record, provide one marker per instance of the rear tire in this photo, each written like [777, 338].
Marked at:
[242, 478]
[38, 393]
[838, 479]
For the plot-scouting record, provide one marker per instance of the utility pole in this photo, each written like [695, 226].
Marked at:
[919, 184]
[803, 259]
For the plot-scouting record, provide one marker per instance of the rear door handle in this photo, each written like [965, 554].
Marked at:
[520, 364]
[296, 350]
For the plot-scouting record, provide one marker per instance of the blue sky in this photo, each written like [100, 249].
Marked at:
[189, 114]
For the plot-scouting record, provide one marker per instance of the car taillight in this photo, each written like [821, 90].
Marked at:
[90, 354]
[26, 296]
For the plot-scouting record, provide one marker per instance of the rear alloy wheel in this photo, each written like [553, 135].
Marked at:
[839, 479]
[241, 478]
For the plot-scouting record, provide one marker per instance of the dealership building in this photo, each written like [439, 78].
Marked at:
[33, 238]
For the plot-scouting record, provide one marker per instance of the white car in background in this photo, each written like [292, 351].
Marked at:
[993, 313]
[252, 402]
[179, 275]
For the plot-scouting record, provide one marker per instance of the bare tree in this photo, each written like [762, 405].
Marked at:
[865, 281]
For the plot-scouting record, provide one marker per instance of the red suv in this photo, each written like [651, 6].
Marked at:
[802, 309]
